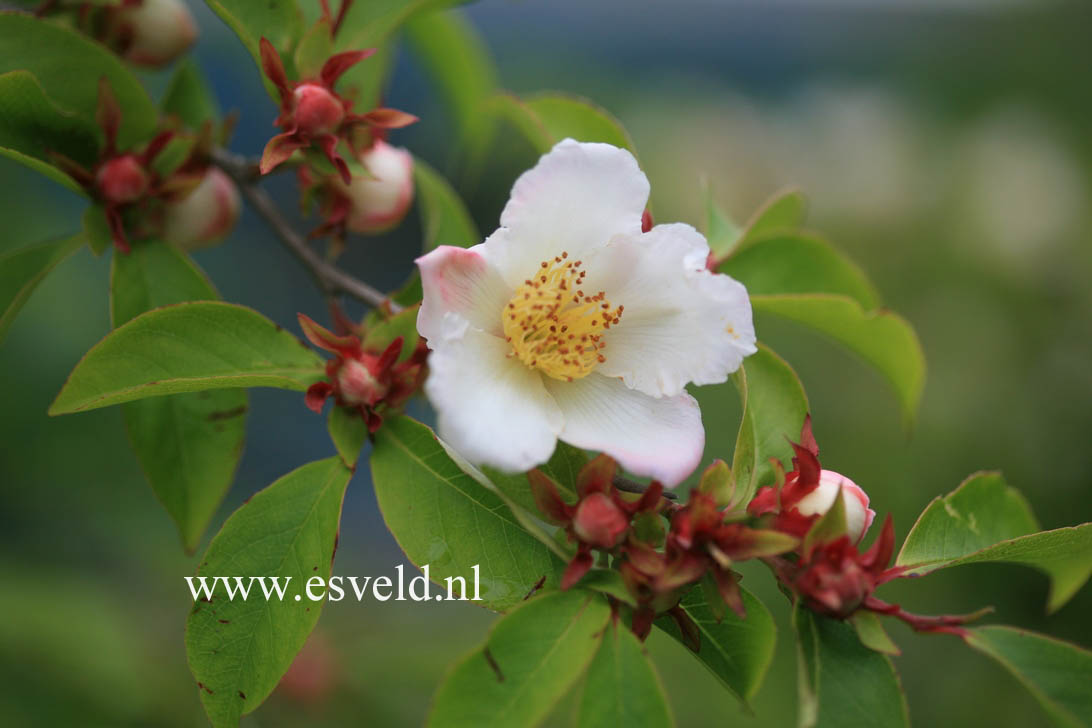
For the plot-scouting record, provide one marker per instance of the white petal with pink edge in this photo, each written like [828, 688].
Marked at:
[460, 281]
[858, 515]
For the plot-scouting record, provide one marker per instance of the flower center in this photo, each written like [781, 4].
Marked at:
[554, 326]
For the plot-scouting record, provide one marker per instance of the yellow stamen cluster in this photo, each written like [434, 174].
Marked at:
[554, 326]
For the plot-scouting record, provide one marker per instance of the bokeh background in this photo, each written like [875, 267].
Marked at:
[945, 145]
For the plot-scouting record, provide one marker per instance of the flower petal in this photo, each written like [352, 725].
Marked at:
[681, 323]
[491, 408]
[575, 199]
[461, 281]
[659, 437]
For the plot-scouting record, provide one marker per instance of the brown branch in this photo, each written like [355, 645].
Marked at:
[331, 279]
[631, 486]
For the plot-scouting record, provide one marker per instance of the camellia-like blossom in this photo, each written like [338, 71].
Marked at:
[570, 322]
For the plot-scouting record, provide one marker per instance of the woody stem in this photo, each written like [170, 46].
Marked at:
[331, 279]
[630, 486]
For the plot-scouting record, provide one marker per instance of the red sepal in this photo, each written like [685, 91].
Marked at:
[340, 63]
[576, 569]
[317, 394]
[274, 71]
[278, 150]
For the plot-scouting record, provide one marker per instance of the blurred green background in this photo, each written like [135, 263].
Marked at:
[945, 145]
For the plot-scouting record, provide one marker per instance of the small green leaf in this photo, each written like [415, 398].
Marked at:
[349, 432]
[737, 651]
[381, 332]
[444, 218]
[32, 125]
[314, 49]
[783, 212]
[190, 347]
[532, 657]
[97, 230]
[189, 97]
[1056, 672]
[188, 444]
[854, 685]
[609, 582]
[622, 688]
[22, 270]
[773, 413]
[238, 649]
[881, 338]
[720, 230]
[279, 21]
[68, 65]
[787, 262]
[443, 517]
[174, 154]
[872, 634]
[571, 116]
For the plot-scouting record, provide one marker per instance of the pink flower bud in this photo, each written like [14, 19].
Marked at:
[205, 216]
[152, 32]
[357, 385]
[380, 199]
[317, 110]
[858, 515]
[121, 180]
[599, 521]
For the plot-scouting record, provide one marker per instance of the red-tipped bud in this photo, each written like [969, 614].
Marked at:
[151, 32]
[357, 385]
[380, 199]
[317, 110]
[858, 515]
[599, 522]
[122, 180]
[206, 215]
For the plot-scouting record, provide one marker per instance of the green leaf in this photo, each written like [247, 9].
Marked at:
[563, 466]
[530, 660]
[737, 651]
[314, 49]
[349, 432]
[68, 65]
[189, 97]
[872, 634]
[22, 270]
[982, 511]
[720, 230]
[774, 408]
[443, 517]
[174, 154]
[515, 111]
[786, 262]
[277, 20]
[881, 338]
[1055, 672]
[97, 230]
[238, 649]
[382, 332]
[854, 686]
[188, 444]
[782, 212]
[190, 347]
[444, 218]
[32, 126]
[571, 116]
[622, 688]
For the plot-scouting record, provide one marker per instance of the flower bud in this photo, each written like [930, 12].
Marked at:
[317, 111]
[380, 199]
[151, 32]
[599, 521]
[205, 216]
[858, 515]
[357, 385]
[122, 180]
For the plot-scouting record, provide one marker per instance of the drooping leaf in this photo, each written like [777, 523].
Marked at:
[189, 97]
[188, 444]
[844, 683]
[279, 21]
[787, 262]
[881, 338]
[189, 347]
[68, 65]
[443, 517]
[349, 432]
[737, 651]
[622, 688]
[1056, 672]
[444, 218]
[774, 409]
[23, 269]
[530, 660]
[238, 649]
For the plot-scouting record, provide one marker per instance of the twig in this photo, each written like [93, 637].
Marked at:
[329, 277]
[629, 486]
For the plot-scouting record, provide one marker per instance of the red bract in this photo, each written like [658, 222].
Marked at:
[368, 381]
[313, 113]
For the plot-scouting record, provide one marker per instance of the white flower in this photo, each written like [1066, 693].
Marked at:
[858, 515]
[569, 322]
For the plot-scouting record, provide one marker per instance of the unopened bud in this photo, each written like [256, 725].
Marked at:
[858, 515]
[206, 215]
[599, 521]
[379, 200]
[317, 111]
[122, 180]
[357, 385]
[152, 32]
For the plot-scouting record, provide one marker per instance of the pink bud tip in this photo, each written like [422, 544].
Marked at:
[858, 515]
[122, 180]
[599, 522]
[317, 111]
[379, 200]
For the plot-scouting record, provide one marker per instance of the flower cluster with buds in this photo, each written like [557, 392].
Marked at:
[362, 377]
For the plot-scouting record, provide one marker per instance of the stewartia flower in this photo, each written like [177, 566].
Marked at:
[570, 322]
[370, 381]
[809, 492]
[312, 112]
[149, 32]
[204, 216]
